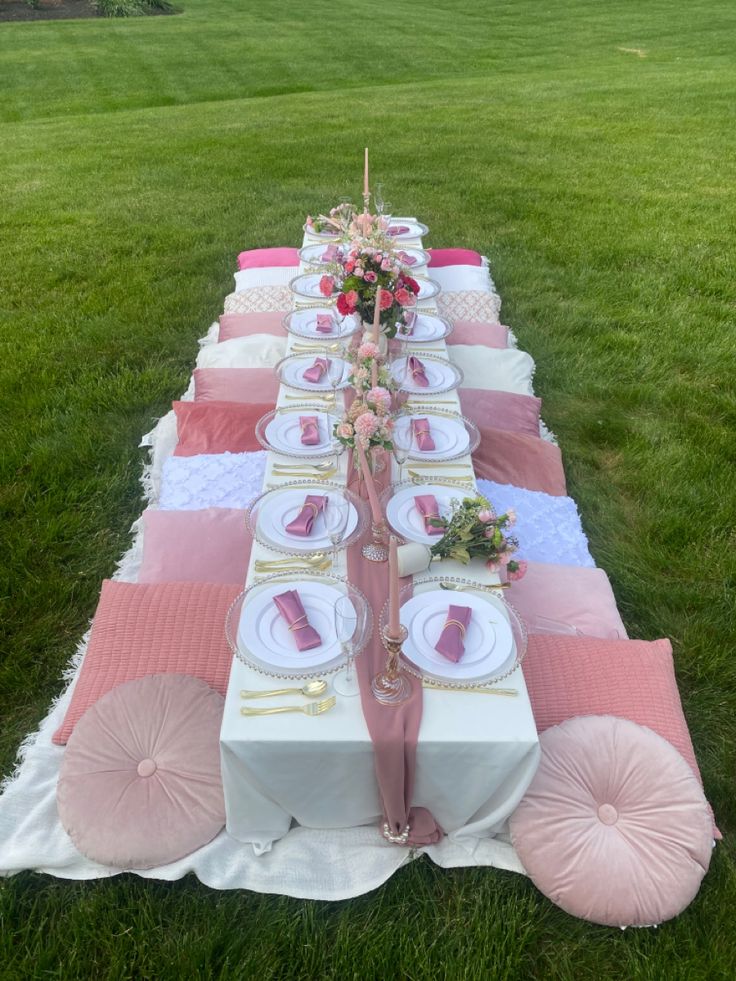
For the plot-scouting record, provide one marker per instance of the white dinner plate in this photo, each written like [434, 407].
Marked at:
[322, 236]
[427, 289]
[303, 323]
[450, 436]
[284, 433]
[263, 630]
[443, 376]
[489, 641]
[275, 512]
[313, 255]
[415, 229]
[404, 517]
[426, 328]
[291, 372]
[420, 257]
[307, 284]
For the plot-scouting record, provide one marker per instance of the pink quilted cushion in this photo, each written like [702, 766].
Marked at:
[477, 332]
[454, 257]
[632, 679]
[614, 827]
[502, 410]
[235, 385]
[521, 460]
[140, 784]
[142, 628]
[217, 427]
[262, 258]
[244, 324]
[555, 599]
[210, 545]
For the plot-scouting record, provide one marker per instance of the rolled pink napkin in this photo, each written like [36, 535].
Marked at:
[416, 370]
[452, 639]
[302, 523]
[398, 230]
[290, 607]
[330, 254]
[310, 430]
[406, 259]
[325, 323]
[315, 372]
[422, 434]
[426, 505]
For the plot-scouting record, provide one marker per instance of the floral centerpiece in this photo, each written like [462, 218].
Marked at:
[368, 420]
[363, 269]
[361, 376]
[337, 222]
[473, 530]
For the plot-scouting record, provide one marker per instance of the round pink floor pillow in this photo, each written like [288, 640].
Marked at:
[614, 827]
[140, 781]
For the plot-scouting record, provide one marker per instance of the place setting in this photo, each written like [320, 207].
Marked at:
[428, 375]
[321, 372]
[400, 229]
[299, 431]
[416, 511]
[435, 437]
[419, 327]
[320, 323]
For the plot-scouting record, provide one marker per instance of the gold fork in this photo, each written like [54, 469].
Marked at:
[312, 708]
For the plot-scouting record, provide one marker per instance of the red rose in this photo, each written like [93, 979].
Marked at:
[387, 300]
[343, 305]
[404, 297]
[411, 284]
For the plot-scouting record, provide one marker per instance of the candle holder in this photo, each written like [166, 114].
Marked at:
[366, 202]
[391, 686]
[376, 550]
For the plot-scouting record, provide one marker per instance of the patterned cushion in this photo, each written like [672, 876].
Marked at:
[140, 784]
[469, 305]
[210, 545]
[142, 629]
[614, 827]
[217, 427]
[259, 300]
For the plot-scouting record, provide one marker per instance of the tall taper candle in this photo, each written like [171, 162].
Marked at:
[377, 316]
[393, 587]
[370, 486]
[366, 189]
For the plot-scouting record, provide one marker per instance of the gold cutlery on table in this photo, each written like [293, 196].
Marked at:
[312, 689]
[313, 708]
[461, 587]
[317, 467]
[326, 397]
[510, 692]
[314, 563]
[305, 474]
[314, 347]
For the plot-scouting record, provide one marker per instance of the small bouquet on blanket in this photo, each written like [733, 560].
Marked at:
[474, 530]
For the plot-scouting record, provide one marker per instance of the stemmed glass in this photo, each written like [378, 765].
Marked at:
[336, 520]
[378, 199]
[399, 368]
[347, 625]
[335, 371]
[401, 441]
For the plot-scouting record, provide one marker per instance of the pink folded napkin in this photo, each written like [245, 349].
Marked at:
[398, 230]
[416, 369]
[324, 323]
[330, 254]
[452, 639]
[410, 319]
[406, 259]
[310, 430]
[290, 607]
[422, 434]
[427, 506]
[315, 372]
[302, 523]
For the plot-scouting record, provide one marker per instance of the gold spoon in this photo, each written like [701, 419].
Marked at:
[476, 585]
[312, 689]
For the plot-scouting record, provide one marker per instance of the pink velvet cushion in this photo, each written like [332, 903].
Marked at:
[477, 332]
[217, 427]
[454, 257]
[140, 784]
[244, 324]
[262, 258]
[521, 460]
[633, 679]
[555, 599]
[235, 385]
[142, 628]
[614, 827]
[502, 410]
[210, 545]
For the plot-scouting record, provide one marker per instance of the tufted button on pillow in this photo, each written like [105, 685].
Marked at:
[614, 827]
[140, 781]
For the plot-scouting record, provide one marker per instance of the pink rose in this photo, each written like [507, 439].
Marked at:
[351, 297]
[492, 565]
[370, 277]
[405, 298]
[504, 558]
[379, 396]
[368, 350]
[349, 266]
[485, 516]
[365, 426]
[387, 300]
[345, 430]
[519, 572]
[489, 532]
[386, 265]
[327, 285]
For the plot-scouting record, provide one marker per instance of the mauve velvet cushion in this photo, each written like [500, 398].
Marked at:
[454, 257]
[235, 385]
[564, 599]
[502, 410]
[234, 325]
[633, 679]
[477, 332]
[217, 427]
[209, 545]
[140, 784]
[524, 461]
[152, 628]
[262, 258]
[614, 827]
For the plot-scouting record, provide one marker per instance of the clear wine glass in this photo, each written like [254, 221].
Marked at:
[347, 626]
[401, 441]
[336, 520]
[378, 199]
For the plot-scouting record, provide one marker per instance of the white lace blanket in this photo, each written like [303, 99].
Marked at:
[224, 480]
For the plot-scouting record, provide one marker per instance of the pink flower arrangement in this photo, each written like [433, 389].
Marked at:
[365, 268]
[381, 398]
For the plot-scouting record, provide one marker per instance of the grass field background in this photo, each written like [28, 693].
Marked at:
[588, 149]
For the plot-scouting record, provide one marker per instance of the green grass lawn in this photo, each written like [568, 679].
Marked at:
[588, 149]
